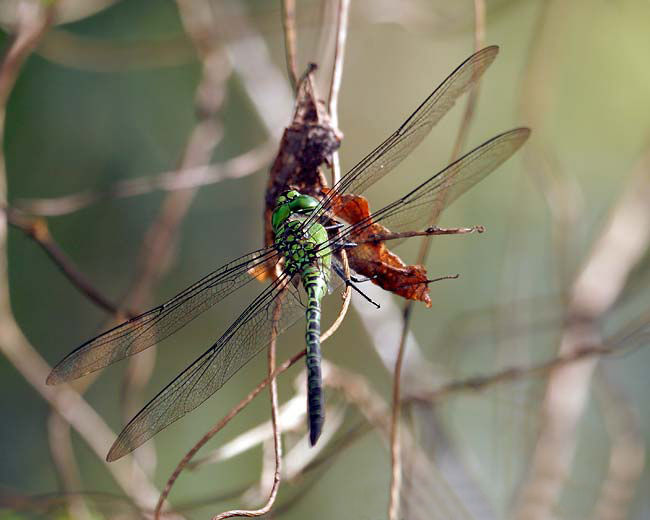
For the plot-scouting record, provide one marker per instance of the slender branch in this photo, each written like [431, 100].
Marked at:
[479, 383]
[618, 249]
[157, 251]
[627, 459]
[289, 27]
[58, 433]
[187, 178]
[337, 76]
[396, 465]
[335, 85]
[34, 21]
[277, 439]
[431, 231]
[239, 407]
[38, 230]
[288, 20]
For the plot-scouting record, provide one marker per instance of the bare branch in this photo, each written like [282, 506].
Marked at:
[33, 23]
[618, 249]
[396, 465]
[37, 229]
[193, 177]
[289, 27]
[277, 439]
[239, 407]
[158, 247]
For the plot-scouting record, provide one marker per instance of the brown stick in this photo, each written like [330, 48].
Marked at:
[157, 251]
[431, 231]
[34, 21]
[277, 439]
[192, 177]
[396, 466]
[289, 28]
[38, 230]
[618, 249]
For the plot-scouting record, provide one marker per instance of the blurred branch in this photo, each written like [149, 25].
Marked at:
[335, 83]
[559, 188]
[430, 496]
[33, 23]
[395, 454]
[68, 403]
[251, 60]
[277, 439]
[38, 230]
[289, 27]
[291, 416]
[194, 177]
[239, 407]
[66, 10]
[159, 244]
[66, 466]
[479, 383]
[620, 246]
[74, 50]
[627, 453]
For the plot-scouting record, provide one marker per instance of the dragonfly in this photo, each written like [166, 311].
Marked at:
[306, 257]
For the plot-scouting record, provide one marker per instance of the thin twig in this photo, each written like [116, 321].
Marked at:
[337, 76]
[240, 166]
[618, 249]
[157, 251]
[34, 20]
[38, 230]
[240, 406]
[289, 27]
[431, 231]
[335, 86]
[277, 439]
[627, 459]
[58, 432]
[396, 469]
[478, 383]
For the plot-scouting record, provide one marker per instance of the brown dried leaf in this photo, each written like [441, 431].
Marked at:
[373, 259]
[306, 144]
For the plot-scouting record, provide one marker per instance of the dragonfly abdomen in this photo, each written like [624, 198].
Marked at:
[315, 285]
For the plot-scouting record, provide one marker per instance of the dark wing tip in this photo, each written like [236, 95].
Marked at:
[523, 133]
[489, 53]
[55, 377]
[117, 451]
[62, 373]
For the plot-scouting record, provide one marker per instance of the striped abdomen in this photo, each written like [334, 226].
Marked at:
[315, 284]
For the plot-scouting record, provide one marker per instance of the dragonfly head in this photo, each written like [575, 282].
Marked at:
[291, 202]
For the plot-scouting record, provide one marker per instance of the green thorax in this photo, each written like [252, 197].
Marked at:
[300, 245]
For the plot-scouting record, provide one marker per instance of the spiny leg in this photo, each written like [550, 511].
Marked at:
[350, 282]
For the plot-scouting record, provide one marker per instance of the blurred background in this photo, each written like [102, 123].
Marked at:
[540, 346]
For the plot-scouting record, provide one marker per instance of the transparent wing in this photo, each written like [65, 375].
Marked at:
[422, 206]
[400, 144]
[250, 333]
[153, 326]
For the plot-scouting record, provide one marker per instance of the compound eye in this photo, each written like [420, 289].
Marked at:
[292, 194]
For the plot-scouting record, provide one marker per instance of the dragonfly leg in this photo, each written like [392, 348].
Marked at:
[351, 282]
[356, 279]
[337, 225]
